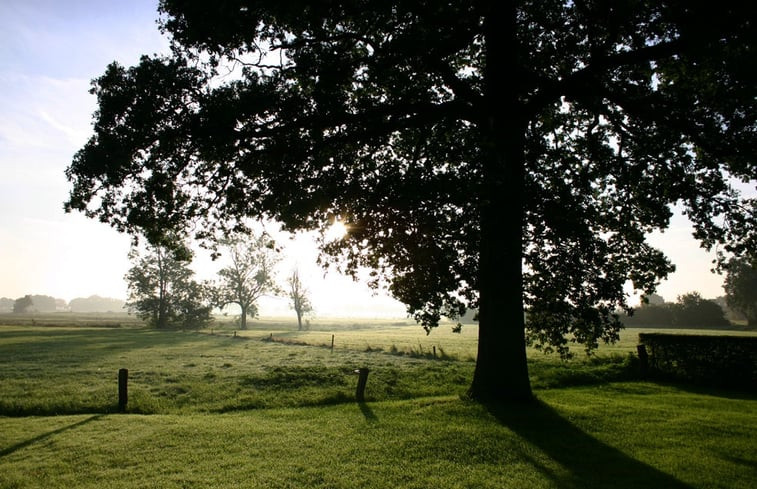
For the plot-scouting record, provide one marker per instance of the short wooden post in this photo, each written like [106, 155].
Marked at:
[643, 359]
[332, 342]
[434, 351]
[235, 333]
[361, 381]
[123, 391]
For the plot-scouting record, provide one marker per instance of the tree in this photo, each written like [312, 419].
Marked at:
[692, 311]
[653, 300]
[651, 315]
[741, 289]
[6, 304]
[36, 303]
[506, 156]
[95, 303]
[299, 296]
[23, 304]
[250, 274]
[163, 292]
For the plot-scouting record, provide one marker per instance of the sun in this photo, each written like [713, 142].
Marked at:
[336, 231]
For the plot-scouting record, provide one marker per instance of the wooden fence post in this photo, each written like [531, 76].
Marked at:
[332, 342]
[361, 381]
[123, 391]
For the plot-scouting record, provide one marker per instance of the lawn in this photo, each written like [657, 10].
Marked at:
[215, 410]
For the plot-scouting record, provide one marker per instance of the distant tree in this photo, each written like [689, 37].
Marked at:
[651, 315]
[460, 140]
[23, 304]
[36, 303]
[163, 292]
[299, 296]
[6, 304]
[249, 276]
[44, 303]
[741, 288]
[730, 313]
[692, 311]
[95, 303]
[653, 300]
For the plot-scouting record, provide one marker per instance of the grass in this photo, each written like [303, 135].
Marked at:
[229, 411]
[621, 436]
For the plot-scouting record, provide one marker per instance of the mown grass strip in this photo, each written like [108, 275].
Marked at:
[621, 436]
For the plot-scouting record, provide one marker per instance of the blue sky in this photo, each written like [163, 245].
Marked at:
[49, 52]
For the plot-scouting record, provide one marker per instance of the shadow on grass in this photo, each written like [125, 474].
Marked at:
[591, 462]
[18, 446]
[745, 393]
[367, 412]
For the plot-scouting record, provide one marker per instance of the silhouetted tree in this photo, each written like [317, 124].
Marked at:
[497, 155]
[692, 311]
[163, 292]
[250, 274]
[299, 296]
[741, 289]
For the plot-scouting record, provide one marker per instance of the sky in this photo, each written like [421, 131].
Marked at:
[50, 50]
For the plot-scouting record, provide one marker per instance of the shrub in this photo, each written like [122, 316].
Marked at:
[716, 360]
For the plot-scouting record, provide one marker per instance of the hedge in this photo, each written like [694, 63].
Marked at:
[721, 361]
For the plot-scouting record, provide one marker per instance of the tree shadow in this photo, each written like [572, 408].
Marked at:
[18, 446]
[590, 462]
[746, 393]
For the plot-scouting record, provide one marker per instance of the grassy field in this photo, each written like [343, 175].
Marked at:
[226, 409]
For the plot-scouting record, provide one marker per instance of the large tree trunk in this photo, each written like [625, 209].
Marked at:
[501, 369]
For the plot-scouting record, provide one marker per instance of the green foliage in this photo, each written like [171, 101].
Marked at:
[716, 360]
[741, 289]
[162, 291]
[249, 274]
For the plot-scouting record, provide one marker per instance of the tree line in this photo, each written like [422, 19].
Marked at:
[164, 293]
[691, 310]
[37, 303]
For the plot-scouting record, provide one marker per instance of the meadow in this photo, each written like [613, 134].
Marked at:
[274, 407]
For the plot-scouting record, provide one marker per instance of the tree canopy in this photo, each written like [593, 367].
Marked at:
[741, 288]
[249, 275]
[493, 155]
[163, 292]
